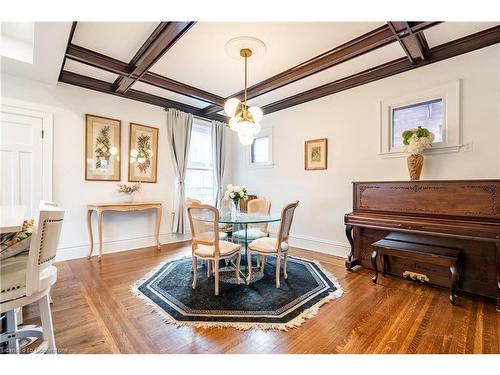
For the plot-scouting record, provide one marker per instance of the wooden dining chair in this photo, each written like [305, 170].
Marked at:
[268, 246]
[206, 244]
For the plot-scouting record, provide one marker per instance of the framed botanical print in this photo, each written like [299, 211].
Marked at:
[143, 153]
[102, 148]
[316, 154]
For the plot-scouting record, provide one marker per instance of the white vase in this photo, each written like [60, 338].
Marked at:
[126, 197]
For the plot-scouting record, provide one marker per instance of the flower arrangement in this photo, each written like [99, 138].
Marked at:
[415, 141]
[236, 193]
[129, 189]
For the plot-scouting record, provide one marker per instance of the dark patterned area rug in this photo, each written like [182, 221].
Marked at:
[260, 305]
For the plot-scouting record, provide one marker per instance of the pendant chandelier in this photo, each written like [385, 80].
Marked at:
[244, 120]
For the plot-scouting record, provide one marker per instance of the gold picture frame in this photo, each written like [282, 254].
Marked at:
[316, 154]
[102, 148]
[143, 153]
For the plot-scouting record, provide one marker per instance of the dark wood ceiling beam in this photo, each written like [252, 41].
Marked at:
[368, 42]
[414, 44]
[96, 60]
[159, 42]
[454, 48]
[108, 88]
[109, 64]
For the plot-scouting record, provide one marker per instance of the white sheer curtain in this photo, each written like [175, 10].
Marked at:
[179, 127]
[219, 156]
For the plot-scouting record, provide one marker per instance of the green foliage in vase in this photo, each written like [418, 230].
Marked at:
[144, 148]
[420, 132]
[102, 146]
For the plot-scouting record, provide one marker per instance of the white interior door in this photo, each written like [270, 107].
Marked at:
[21, 160]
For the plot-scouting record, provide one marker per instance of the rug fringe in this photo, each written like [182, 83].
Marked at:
[294, 323]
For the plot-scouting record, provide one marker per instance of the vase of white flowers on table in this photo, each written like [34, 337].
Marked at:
[236, 193]
[415, 141]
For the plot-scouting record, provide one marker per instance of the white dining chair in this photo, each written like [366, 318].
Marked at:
[268, 246]
[206, 244]
[28, 278]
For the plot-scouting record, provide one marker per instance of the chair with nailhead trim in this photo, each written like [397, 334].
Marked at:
[28, 279]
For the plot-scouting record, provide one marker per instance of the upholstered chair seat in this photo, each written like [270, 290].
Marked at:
[252, 234]
[225, 248]
[267, 245]
[13, 278]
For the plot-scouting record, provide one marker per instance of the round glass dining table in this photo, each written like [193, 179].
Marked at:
[243, 220]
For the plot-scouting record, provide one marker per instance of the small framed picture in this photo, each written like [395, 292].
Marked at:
[316, 154]
[102, 148]
[143, 153]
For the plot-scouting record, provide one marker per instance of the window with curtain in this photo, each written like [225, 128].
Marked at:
[200, 182]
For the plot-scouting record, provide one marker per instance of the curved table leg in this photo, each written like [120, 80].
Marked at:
[158, 222]
[99, 232]
[89, 230]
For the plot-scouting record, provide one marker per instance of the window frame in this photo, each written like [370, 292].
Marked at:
[208, 125]
[449, 93]
[266, 132]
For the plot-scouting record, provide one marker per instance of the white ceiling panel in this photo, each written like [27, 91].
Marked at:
[380, 56]
[150, 89]
[199, 58]
[448, 31]
[120, 40]
[89, 71]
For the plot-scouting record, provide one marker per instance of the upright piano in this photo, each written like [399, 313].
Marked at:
[464, 214]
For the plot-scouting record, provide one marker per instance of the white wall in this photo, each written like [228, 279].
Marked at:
[69, 104]
[350, 121]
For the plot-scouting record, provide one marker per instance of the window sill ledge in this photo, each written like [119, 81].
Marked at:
[430, 151]
[261, 166]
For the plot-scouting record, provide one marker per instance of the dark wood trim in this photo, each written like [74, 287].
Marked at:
[96, 60]
[106, 87]
[454, 48]
[70, 38]
[414, 44]
[159, 42]
[368, 42]
[112, 65]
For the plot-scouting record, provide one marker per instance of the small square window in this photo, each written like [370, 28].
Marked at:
[428, 114]
[260, 150]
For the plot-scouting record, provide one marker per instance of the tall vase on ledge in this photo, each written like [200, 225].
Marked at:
[415, 141]
[235, 208]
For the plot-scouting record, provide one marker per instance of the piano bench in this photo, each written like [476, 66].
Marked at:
[437, 255]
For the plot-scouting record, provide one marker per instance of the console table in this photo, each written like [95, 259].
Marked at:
[99, 208]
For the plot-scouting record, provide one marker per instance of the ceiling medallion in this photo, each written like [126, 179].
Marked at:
[243, 119]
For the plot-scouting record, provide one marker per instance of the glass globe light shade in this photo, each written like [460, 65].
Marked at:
[231, 106]
[134, 153]
[245, 140]
[113, 150]
[257, 113]
[245, 128]
[256, 128]
[233, 123]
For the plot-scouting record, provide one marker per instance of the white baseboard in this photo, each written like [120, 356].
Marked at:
[319, 245]
[80, 250]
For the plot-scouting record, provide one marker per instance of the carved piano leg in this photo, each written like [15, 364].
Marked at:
[350, 261]
[374, 265]
[455, 276]
[498, 275]
[384, 264]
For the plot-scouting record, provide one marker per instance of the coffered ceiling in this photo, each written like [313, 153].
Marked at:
[184, 65]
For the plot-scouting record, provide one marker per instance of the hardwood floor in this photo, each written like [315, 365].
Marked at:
[94, 312]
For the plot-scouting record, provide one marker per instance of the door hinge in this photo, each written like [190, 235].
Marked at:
[42, 133]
